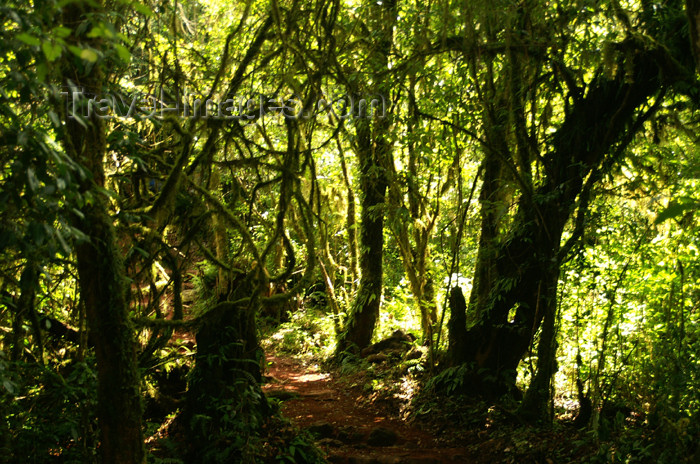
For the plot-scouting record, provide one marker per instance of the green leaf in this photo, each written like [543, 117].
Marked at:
[75, 50]
[676, 208]
[123, 52]
[89, 55]
[79, 119]
[65, 248]
[37, 233]
[78, 235]
[78, 213]
[51, 50]
[22, 139]
[143, 9]
[9, 386]
[107, 192]
[61, 32]
[54, 119]
[97, 31]
[28, 39]
[84, 53]
[41, 71]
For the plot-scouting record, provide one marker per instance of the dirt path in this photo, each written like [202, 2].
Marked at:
[348, 432]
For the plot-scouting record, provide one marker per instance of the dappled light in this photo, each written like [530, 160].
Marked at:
[343, 231]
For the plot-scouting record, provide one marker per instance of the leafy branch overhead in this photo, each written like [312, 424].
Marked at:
[483, 215]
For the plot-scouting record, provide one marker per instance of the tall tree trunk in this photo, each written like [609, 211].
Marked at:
[457, 342]
[535, 405]
[373, 149]
[415, 261]
[220, 240]
[103, 293]
[512, 304]
[360, 326]
[100, 268]
[225, 378]
[26, 310]
[350, 224]
[413, 236]
[492, 200]
[428, 307]
[692, 8]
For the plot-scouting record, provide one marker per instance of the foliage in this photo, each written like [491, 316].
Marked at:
[49, 411]
[305, 334]
[397, 312]
[632, 300]
[544, 153]
[299, 449]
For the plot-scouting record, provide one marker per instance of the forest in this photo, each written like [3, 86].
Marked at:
[349, 231]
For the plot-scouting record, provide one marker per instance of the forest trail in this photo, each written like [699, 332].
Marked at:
[348, 431]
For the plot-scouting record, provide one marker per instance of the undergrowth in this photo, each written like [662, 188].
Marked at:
[307, 335]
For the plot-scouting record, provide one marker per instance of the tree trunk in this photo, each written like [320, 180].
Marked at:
[536, 403]
[492, 200]
[415, 253]
[415, 261]
[25, 309]
[350, 224]
[457, 342]
[224, 402]
[360, 326]
[373, 150]
[513, 301]
[100, 269]
[428, 308]
[692, 8]
[103, 292]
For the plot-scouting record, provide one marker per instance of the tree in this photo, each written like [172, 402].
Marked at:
[576, 125]
[101, 271]
[372, 146]
[516, 276]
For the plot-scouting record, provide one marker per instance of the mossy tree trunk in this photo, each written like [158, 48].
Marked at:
[373, 152]
[350, 222]
[412, 221]
[361, 322]
[692, 8]
[516, 280]
[25, 309]
[100, 268]
[224, 405]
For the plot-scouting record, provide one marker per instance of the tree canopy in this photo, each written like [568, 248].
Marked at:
[514, 184]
